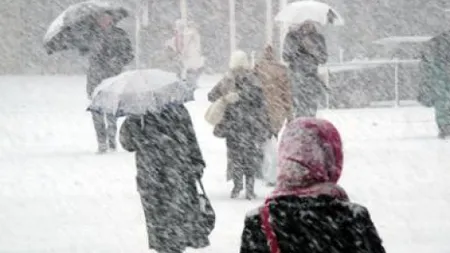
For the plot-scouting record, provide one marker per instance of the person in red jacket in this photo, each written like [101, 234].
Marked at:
[309, 212]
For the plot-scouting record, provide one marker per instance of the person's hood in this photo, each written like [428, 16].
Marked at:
[310, 152]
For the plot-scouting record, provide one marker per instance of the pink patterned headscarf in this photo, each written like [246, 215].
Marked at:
[303, 160]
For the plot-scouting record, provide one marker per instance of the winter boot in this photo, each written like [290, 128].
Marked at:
[102, 149]
[250, 195]
[235, 192]
[112, 145]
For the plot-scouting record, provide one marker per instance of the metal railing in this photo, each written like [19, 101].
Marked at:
[367, 64]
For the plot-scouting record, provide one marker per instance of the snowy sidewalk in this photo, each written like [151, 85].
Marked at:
[56, 195]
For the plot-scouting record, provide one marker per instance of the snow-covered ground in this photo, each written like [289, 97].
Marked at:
[56, 195]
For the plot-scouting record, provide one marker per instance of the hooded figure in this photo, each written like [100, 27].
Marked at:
[109, 53]
[244, 125]
[168, 161]
[304, 50]
[308, 212]
[276, 88]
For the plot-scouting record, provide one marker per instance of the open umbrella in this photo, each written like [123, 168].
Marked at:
[73, 28]
[137, 92]
[301, 11]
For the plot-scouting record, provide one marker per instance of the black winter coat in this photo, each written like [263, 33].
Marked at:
[168, 161]
[304, 52]
[246, 127]
[313, 225]
[109, 53]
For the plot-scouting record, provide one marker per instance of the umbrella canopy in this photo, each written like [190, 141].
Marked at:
[73, 27]
[137, 92]
[301, 11]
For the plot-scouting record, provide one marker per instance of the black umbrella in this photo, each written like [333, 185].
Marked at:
[75, 26]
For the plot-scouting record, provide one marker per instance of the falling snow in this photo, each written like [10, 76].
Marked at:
[104, 141]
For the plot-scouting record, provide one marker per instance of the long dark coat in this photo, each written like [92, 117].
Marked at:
[434, 89]
[313, 225]
[110, 52]
[246, 127]
[168, 161]
[303, 51]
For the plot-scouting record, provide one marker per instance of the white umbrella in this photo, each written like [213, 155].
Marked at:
[301, 11]
[137, 92]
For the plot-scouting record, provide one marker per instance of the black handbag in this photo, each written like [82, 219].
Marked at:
[207, 214]
[205, 222]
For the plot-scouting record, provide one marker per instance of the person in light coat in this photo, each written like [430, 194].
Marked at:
[187, 49]
[278, 96]
[277, 89]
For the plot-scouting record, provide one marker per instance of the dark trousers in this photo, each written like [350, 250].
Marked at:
[238, 179]
[106, 129]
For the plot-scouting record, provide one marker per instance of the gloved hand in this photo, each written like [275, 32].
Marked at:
[231, 97]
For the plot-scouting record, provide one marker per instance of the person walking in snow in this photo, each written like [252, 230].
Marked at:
[276, 88]
[168, 161]
[244, 125]
[186, 48]
[434, 88]
[278, 96]
[108, 54]
[308, 211]
[304, 49]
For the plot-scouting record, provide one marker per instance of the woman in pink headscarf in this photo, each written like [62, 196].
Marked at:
[309, 212]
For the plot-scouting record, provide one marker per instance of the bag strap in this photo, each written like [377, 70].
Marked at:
[268, 229]
[200, 183]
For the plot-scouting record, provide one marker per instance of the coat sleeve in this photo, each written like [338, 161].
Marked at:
[219, 89]
[222, 128]
[288, 48]
[253, 239]
[262, 124]
[371, 237]
[126, 135]
[319, 49]
[195, 152]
